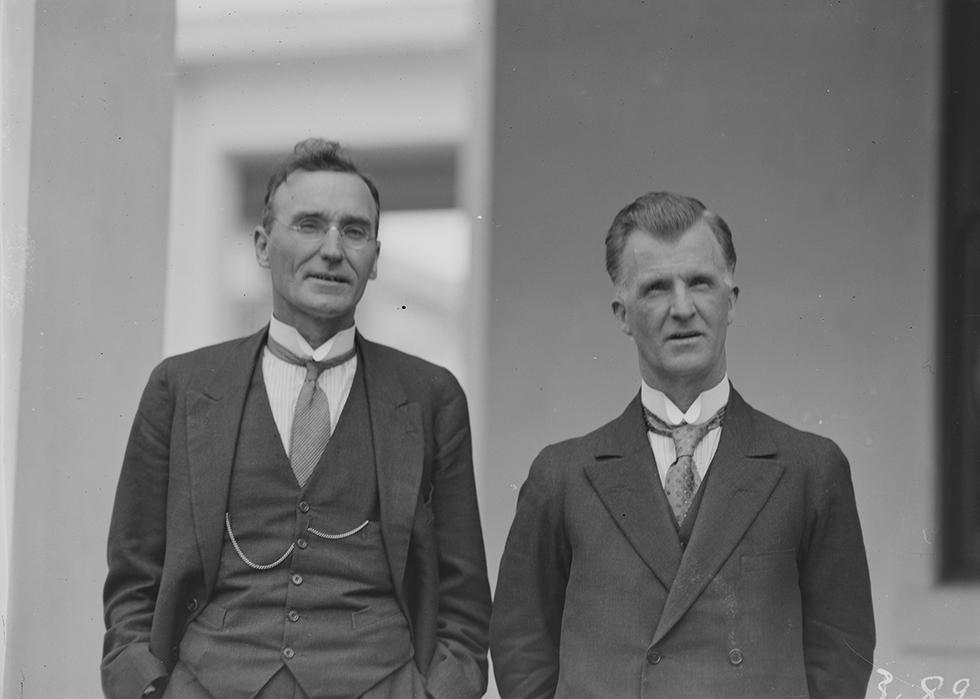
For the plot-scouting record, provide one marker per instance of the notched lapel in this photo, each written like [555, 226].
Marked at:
[742, 476]
[213, 420]
[399, 452]
[623, 477]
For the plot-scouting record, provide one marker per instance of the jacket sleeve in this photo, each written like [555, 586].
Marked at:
[838, 620]
[459, 663]
[136, 547]
[525, 629]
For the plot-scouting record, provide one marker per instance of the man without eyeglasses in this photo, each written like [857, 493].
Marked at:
[296, 514]
[692, 547]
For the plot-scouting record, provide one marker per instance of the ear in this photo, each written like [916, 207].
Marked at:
[261, 241]
[374, 265]
[732, 298]
[619, 310]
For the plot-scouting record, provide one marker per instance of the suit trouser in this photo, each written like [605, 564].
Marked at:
[404, 683]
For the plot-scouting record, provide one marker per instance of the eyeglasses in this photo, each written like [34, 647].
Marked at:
[353, 235]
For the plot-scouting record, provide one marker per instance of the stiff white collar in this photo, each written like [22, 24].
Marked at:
[701, 410]
[289, 337]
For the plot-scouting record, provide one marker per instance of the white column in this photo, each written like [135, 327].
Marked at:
[17, 50]
[99, 159]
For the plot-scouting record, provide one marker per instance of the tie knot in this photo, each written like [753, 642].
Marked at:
[686, 437]
[314, 369]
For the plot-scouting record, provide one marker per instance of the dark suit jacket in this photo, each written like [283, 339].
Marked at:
[595, 597]
[167, 525]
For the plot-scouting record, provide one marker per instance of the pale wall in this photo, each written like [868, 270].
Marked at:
[813, 129]
[92, 319]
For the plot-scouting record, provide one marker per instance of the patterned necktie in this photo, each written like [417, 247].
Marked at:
[682, 479]
[311, 418]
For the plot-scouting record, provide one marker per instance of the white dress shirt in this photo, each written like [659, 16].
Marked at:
[702, 409]
[284, 380]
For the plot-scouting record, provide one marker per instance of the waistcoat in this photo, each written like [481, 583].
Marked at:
[686, 528]
[328, 610]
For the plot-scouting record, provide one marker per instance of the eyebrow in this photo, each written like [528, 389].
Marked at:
[688, 276]
[343, 220]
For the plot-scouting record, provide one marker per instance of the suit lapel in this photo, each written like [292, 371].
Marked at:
[739, 483]
[213, 420]
[396, 426]
[624, 476]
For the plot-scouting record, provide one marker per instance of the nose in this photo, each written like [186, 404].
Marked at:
[330, 245]
[681, 304]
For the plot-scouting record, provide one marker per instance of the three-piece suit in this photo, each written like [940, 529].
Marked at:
[384, 566]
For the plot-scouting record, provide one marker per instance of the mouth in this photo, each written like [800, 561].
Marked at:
[683, 336]
[327, 278]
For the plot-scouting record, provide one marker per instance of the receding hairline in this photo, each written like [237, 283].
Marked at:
[316, 155]
[313, 171]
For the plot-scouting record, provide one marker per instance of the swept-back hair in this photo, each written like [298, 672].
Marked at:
[667, 216]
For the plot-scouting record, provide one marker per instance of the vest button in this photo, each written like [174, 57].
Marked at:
[735, 656]
[301, 543]
[304, 506]
[296, 578]
[293, 615]
[288, 653]
[653, 656]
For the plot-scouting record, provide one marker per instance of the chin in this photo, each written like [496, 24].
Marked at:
[328, 304]
[690, 367]
[324, 312]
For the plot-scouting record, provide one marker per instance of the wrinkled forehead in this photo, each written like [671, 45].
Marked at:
[695, 250]
[327, 193]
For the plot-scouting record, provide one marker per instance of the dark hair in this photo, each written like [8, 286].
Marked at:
[314, 155]
[663, 215]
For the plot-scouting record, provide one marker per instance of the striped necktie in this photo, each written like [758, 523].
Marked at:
[311, 418]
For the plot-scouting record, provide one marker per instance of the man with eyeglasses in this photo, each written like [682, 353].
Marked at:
[296, 514]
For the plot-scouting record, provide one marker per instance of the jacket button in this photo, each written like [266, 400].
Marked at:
[302, 543]
[653, 656]
[288, 653]
[293, 615]
[735, 656]
[192, 605]
[296, 578]
[304, 506]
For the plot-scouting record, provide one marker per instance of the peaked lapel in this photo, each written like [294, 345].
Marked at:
[213, 419]
[624, 475]
[740, 482]
[396, 427]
